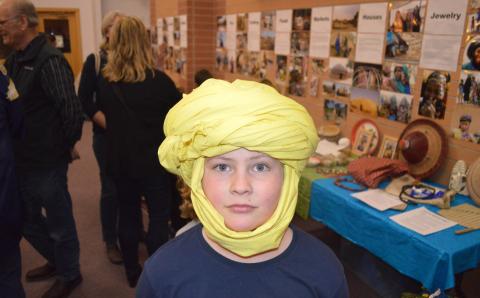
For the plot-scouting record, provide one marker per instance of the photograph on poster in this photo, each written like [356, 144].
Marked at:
[221, 39]
[395, 106]
[342, 44]
[473, 23]
[232, 64]
[367, 76]
[179, 61]
[471, 55]
[340, 90]
[407, 16]
[328, 88]
[266, 64]
[221, 23]
[242, 40]
[343, 90]
[242, 22]
[341, 69]
[242, 62]
[281, 70]
[301, 19]
[176, 38]
[469, 88]
[334, 110]
[164, 35]
[176, 24]
[297, 77]
[434, 93]
[364, 101]
[388, 148]
[153, 35]
[169, 59]
[403, 46]
[165, 25]
[267, 40]
[254, 64]
[221, 60]
[465, 124]
[319, 66]
[299, 43]
[267, 21]
[345, 17]
[399, 77]
[313, 86]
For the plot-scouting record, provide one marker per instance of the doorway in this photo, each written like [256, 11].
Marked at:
[62, 26]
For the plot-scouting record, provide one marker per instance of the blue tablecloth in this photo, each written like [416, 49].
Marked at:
[433, 260]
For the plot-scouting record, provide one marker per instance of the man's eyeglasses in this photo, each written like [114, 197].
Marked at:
[3, 22]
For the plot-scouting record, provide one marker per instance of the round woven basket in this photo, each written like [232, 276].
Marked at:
[473, 181]
[329, 132]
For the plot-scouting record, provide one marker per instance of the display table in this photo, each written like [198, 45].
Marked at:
[304, 191]
[433, 260]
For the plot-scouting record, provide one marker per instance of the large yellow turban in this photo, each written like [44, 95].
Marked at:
[219, 117]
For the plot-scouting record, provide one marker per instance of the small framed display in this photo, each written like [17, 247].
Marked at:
[370, 126]
[388, 148]
[363, 139]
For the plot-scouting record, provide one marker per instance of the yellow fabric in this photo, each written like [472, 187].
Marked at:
[219, 117]
[12, 93]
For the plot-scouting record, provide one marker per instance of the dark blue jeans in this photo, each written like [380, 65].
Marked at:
[108, 192]
[54, 234]
[158, 195]
[10, 270]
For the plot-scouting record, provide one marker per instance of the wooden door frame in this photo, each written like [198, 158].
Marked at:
[63, 11]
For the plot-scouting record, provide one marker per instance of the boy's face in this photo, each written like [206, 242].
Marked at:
[244, 187]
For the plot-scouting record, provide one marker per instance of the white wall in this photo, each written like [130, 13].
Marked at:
[90, 20]
[138, 8]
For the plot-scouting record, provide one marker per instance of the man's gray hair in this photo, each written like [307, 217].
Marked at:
[27, 9]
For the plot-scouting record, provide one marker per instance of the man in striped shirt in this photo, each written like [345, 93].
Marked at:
[53, 124]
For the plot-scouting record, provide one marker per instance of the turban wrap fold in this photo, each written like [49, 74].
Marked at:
[219, 117]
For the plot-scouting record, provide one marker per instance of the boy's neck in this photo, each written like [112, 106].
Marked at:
[265, 256]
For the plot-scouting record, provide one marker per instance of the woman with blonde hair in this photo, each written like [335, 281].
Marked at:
[93, 108]
[136, 99]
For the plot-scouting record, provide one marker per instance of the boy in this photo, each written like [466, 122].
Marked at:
[240, 147]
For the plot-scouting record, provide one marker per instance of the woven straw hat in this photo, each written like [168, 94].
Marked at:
[423, 145]
[473, 181]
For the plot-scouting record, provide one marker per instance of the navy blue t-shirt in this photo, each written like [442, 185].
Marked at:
[188, 267]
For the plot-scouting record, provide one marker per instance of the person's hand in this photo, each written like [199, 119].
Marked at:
[74, 155]
[100, 120]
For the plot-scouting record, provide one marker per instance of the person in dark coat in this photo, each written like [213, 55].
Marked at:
[93, 108]
[136, 98]
[53, 124]
[11, 123]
